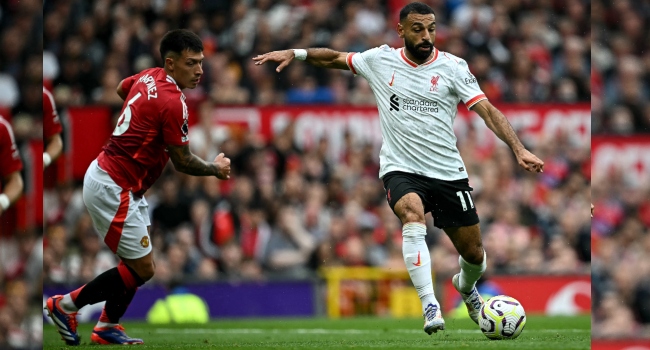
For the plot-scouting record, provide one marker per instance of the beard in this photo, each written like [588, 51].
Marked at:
[415, 49]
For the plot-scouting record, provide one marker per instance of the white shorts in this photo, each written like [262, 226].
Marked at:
[120, 217]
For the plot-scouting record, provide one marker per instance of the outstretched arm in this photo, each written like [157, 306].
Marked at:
[188, 163]
[498, 123]
[319, 57]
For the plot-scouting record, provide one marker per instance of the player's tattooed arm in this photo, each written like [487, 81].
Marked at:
[498, 123]
[319, 57]
[327, 58]
[188, 163]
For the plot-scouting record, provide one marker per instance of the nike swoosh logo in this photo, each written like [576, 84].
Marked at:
[418, 263]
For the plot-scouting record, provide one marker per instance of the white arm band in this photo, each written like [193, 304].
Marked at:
[301, 54]
[46, 159]
[4, 201]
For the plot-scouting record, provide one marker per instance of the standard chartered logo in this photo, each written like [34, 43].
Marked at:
[413, 105]
[420, 105]
[394, 103]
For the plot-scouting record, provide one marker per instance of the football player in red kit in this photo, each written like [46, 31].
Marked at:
[151, 130]
[51, 130]
[12, 182]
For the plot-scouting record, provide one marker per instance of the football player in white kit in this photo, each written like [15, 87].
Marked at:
[418, 88]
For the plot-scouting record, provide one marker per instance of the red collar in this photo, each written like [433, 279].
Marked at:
[415, 65]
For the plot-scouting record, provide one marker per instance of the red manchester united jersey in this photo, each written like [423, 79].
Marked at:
[51, 122]
[9, 157]
[154, 116]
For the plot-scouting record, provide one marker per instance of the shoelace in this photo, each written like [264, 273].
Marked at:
[475, 299]
[70, 318]
[430, 312]
[73, 322]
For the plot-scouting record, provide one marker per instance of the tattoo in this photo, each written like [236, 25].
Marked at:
[186, 162]
[326, 58]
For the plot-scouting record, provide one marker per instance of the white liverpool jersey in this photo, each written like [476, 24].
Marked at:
[417, 107]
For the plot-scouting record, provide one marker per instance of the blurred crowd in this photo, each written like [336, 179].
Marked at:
[21, 72]
[620, 77]
[519, 50]
[21, 251]
[21, 272]
[621, 224]
[621, 268]
[288, 211]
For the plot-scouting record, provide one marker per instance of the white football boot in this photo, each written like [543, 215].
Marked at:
[433, 321]
[473, 300]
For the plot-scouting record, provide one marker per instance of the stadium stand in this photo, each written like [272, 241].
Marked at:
[21, 234]
[291, 208]
[621, 190]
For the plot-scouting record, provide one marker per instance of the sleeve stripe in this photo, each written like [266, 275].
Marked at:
[474, 100]
[349, 62]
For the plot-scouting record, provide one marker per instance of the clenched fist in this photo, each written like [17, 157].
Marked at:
[529, 161]
[223, 164]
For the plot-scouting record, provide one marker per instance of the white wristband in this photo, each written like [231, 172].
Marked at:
[301, 54]
[46, 159]
[4, 201]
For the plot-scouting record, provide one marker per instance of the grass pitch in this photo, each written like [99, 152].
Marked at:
[553, 333]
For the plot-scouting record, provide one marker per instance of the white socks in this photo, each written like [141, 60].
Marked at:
[470, 273]
[418, 261]
[67, 305]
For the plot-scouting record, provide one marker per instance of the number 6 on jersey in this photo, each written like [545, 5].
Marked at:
[462, 199]
[125, 119]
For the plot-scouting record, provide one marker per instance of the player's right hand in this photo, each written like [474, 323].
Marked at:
[284, 57]
[529, 161]
[223, 164]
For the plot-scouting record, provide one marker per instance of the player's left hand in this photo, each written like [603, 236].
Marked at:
[529, 161]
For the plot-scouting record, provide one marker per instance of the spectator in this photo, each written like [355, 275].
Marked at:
[287, 210]
[479, 28]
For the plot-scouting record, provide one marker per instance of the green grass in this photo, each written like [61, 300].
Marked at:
[358, 333]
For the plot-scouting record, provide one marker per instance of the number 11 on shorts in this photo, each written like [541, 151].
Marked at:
[462, 199]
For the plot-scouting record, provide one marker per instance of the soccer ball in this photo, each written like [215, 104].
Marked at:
[502, 317]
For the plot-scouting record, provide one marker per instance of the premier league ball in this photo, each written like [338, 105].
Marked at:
[502, 317]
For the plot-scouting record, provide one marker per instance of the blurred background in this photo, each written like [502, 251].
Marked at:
[304, 208]
[21, 234]
[621, 185]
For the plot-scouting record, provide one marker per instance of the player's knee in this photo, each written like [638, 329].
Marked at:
[409, 209]
[409, 214]
[475, 256]
[146, 271]
[412, 216]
